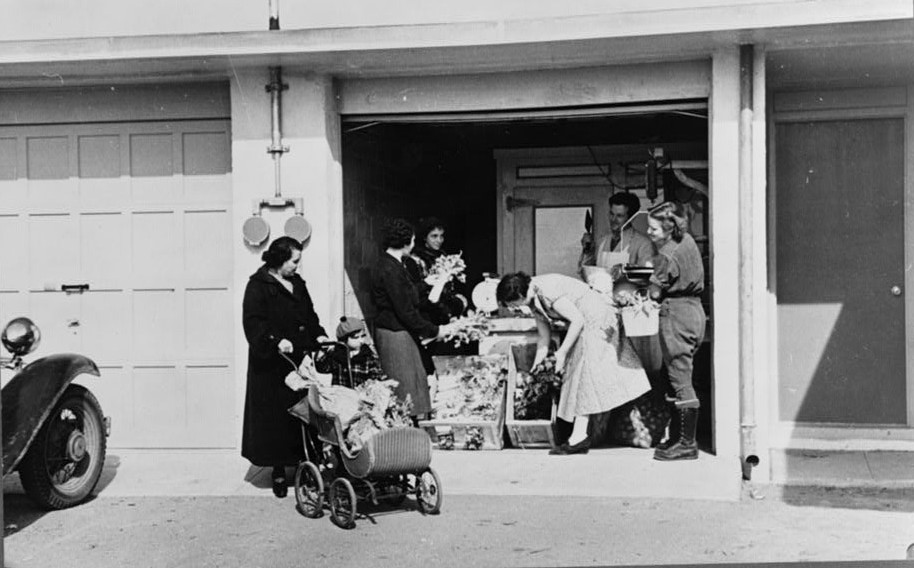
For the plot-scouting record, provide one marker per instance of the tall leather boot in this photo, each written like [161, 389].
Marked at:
[674, 427]
[685, 448]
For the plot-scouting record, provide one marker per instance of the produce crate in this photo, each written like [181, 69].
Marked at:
[524, 433]
[468, 433]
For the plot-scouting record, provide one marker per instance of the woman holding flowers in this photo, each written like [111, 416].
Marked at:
[601, 370]
[431, 261]
[677, 282]
[400, 328]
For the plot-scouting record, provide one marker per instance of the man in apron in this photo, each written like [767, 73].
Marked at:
[620, 246]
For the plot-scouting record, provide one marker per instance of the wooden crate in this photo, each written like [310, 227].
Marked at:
[455, 433]
[525, 433]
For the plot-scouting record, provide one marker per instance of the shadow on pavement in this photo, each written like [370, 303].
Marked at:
[869, 498]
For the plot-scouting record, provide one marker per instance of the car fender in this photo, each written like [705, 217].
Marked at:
[30, 396]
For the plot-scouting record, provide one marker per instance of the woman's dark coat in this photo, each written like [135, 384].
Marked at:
[271, 436]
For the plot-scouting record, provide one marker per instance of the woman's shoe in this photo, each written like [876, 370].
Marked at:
[280, 487]
[565, 449]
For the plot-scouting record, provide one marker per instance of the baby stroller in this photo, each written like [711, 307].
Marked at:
[390, 465]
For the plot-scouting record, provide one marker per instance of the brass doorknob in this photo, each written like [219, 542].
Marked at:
[896, 290]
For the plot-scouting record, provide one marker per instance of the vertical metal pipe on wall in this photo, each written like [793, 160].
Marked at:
[749, 457]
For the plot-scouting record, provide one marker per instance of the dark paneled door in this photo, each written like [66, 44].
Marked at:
[840, 271]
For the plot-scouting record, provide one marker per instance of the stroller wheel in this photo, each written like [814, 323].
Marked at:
[342, 503]
[309, 490]
[428, 492]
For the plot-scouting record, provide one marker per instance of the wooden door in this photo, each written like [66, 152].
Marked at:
[840, 271]
[141, 212]
[548, 223]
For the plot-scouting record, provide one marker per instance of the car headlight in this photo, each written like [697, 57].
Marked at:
[20, 336]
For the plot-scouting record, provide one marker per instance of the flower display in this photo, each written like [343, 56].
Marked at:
[534, 392]
[467, 329]
[448, 266]
[469, 387]
[639, 313]
[379, 409]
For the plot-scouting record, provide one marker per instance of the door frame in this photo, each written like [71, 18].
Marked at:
[844, 105]
[578, 166]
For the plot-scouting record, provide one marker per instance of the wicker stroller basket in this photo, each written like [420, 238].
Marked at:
[394, 451]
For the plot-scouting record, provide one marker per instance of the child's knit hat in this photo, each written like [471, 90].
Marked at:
[348, 326]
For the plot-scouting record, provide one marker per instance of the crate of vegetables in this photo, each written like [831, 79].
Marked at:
[468, 402]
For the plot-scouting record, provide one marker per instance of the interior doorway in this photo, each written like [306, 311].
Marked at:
[448, 167]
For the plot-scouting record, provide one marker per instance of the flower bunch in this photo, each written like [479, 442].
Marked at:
[635, 300]
[379, 409]
[467, 329]
[535, 391]
[469, 387]
[448, 266]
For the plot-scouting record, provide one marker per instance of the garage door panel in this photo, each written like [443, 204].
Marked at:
[105, 317]
[9, 159]
[159, 411]
[156, 191]
[157, 254]
[14, 196]
[104, 195]
[152, 155]
[205, 153]
[57, 316]
[207, 261]
[210, 396]
[13, 305]
[105, 254]
[53, 251]
[114, 391]
[99, 156]
[209, 189]
[158, 329]
[208, 324]
[48, 157]
[14, 252]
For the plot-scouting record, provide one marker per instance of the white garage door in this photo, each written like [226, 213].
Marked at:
[140, 212]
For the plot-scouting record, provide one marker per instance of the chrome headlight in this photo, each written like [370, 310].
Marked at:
[20, 336]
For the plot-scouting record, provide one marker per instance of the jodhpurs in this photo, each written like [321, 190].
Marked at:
[682, 327]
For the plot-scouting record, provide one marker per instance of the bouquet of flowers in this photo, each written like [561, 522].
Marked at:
[448, 266]
[469, 387]
[640, 314]
[469, 328]
[536, 390]
[379, 409]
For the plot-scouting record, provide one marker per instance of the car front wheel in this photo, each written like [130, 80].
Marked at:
[64, 462]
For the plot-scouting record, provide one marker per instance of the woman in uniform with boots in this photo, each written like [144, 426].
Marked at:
[677, 283]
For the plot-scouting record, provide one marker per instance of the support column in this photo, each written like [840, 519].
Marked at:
[313, 170]
[725, 272]
[310, 170]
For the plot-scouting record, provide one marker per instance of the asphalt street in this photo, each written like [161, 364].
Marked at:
[262, 531]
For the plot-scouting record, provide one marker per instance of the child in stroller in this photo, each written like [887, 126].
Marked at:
[351, 361]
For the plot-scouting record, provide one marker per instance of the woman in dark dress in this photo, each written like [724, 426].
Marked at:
[400, 327]
[429, 248]
[278, 316]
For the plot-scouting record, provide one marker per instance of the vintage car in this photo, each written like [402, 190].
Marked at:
[54, 433]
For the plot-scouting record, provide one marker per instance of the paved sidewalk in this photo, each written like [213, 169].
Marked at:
[610, 472]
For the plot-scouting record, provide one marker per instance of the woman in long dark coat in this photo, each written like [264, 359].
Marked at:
[278, 316]
[400, 326]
